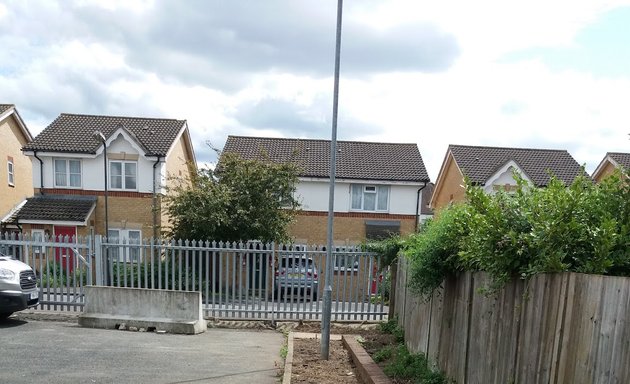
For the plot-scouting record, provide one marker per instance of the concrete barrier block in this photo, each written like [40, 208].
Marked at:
[162, 310]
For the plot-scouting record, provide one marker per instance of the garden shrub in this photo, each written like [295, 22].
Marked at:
[433, 251]
[583, 227]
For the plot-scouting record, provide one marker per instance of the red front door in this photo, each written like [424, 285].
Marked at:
[63, 255]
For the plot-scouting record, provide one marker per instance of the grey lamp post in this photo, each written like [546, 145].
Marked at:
[327, 299]
[98, 135]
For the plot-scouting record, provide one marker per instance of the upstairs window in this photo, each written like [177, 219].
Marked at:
[10, 171]
[122, 175]
[370, 198]
[67, 173]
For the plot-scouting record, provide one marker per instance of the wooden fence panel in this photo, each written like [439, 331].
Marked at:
[607, 353]
[507, 324]
[542, 306]
[452, 351]
[556, 328]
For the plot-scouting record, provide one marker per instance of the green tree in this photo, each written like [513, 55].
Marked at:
[240, 200]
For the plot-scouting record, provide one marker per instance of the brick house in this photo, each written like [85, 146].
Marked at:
[611, 162]
[68, 167]
[492, 168]
[377, 189]
[16, 180]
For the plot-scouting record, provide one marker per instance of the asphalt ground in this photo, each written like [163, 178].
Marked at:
[33, 351]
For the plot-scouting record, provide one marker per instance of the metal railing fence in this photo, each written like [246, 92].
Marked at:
[245, 280]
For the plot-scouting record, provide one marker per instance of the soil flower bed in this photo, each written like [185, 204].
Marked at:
[382, 341]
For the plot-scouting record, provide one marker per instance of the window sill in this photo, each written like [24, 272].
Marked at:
[365, 211]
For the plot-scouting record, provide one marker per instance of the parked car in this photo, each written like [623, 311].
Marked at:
[297, 275]
[18, 286]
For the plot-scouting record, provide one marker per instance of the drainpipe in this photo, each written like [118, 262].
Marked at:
[155, 228]
[418, 205]
[41, 172]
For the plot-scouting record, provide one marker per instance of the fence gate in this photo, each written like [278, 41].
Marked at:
[63, 266]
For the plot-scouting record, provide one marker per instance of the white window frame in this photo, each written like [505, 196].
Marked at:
[67, 173]
[10, 172]
[125, 253]
[123, 169]
[371, 189]
[38, 236]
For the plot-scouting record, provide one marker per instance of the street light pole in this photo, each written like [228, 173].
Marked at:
[99, 136]
[327, 296]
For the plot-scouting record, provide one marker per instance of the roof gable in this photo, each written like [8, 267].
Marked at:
[7, 110]
[504, 176]
[480, 163]
[72, 133]
[617, 159]
[355, 160]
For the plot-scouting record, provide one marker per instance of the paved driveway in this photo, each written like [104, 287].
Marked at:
[55, 352]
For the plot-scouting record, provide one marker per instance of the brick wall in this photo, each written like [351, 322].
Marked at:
[11, 141]
[607, 171]
[450, 187]
[126, 210]
[348, 228]
[178, 165]
[125, 213]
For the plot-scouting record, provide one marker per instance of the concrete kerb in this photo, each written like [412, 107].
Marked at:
[368, 370]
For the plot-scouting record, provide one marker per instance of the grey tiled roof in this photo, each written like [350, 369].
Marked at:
[355, 160]
[55, 208]
[622, 159]
[5, 107]
[480, 163]
[75, 133]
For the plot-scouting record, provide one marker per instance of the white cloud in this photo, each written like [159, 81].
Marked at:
[135, 58]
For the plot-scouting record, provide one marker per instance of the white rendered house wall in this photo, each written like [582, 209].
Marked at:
[92, 177]
[313, 195]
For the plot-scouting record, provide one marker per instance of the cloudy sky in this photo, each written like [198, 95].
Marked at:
[546, 74]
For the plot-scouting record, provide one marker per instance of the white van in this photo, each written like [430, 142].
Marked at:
[18, 286]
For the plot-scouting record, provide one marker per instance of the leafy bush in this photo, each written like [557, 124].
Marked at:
[56, 276]
[433, 251]
[583, 227]
[388, 249]
[130, 272]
